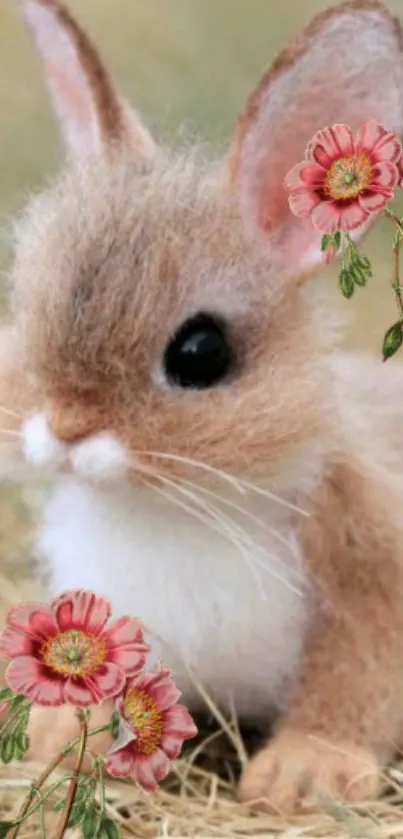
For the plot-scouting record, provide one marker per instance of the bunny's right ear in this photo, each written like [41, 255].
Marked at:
[92, 115]
[346, 66]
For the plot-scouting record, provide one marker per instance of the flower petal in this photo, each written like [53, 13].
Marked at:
[352, 216]
[125, 631]
[385, 175]
[129, 659]
[149, 769]
[36, 619]
[160, 764]
[82, 610]
[78, 692]
[108, 681]
[13, 643]
[305, 174]
[25, 675]
[368, 135]
[171, 744]
[161, 688]
[302, 202]
[126, 645]
[329, 144]
[389, 148]
[179, 723]
[120, 764]
[372, 202]
[326, 217]
[378, 142]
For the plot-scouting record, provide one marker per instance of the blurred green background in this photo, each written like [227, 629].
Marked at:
[188, 65]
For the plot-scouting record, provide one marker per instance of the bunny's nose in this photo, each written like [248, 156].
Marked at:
[73, 423]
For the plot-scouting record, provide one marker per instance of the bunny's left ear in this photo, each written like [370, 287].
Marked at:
[346, 66]
[92, 114]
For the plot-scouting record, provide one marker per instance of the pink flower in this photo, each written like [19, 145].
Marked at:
[345, 178]
[65, 653]
[154, 729]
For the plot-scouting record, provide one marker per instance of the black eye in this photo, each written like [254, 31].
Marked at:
[199, 355]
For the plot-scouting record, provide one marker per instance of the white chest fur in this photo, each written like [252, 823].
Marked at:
[235, 614]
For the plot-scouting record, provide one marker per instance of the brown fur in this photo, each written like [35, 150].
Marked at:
[115, 256]
[104, 297]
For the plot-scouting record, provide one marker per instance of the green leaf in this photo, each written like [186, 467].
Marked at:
[59, 806]
[23, 720]
[359, 275]
[16, 701]
[91, 824]
[5, 695]
[365, 264]
[346, 283]
[361, 268]
[84, 794]
[109, 829]
[7, 748]
[77, 814]
[115, 724]
[327, 240]
[5, 828]
[21, 744]
[86, 788]
[393, 340]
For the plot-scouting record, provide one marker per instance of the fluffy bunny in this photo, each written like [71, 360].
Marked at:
[217, 468]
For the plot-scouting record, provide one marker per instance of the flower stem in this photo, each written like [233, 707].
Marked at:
[47, 772]
[395, 261]
[64, 820]
[396, 274]
[396, 221]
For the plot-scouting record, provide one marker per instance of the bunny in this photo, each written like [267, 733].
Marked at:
[217, 467]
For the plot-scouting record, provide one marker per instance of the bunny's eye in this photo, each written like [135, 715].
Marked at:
[199, 354]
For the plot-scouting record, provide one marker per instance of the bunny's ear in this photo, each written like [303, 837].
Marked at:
[91, 113]
[346, 66]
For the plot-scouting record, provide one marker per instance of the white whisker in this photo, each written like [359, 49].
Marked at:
[227, 528]
[10, 413]
[274, 497]
[189, 462]
[259, 522]
[230, 529]
[10, 433]
[240, 484]
[241, 510]
[222, 528]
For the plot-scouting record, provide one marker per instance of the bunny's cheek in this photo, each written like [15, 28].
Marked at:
[39, 447]
[101, 458]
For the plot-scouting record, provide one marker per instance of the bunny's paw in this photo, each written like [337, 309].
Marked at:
[298, 773]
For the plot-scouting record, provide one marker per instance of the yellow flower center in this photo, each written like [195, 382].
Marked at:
[74, 653]
[146, 719]
[348, 176]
